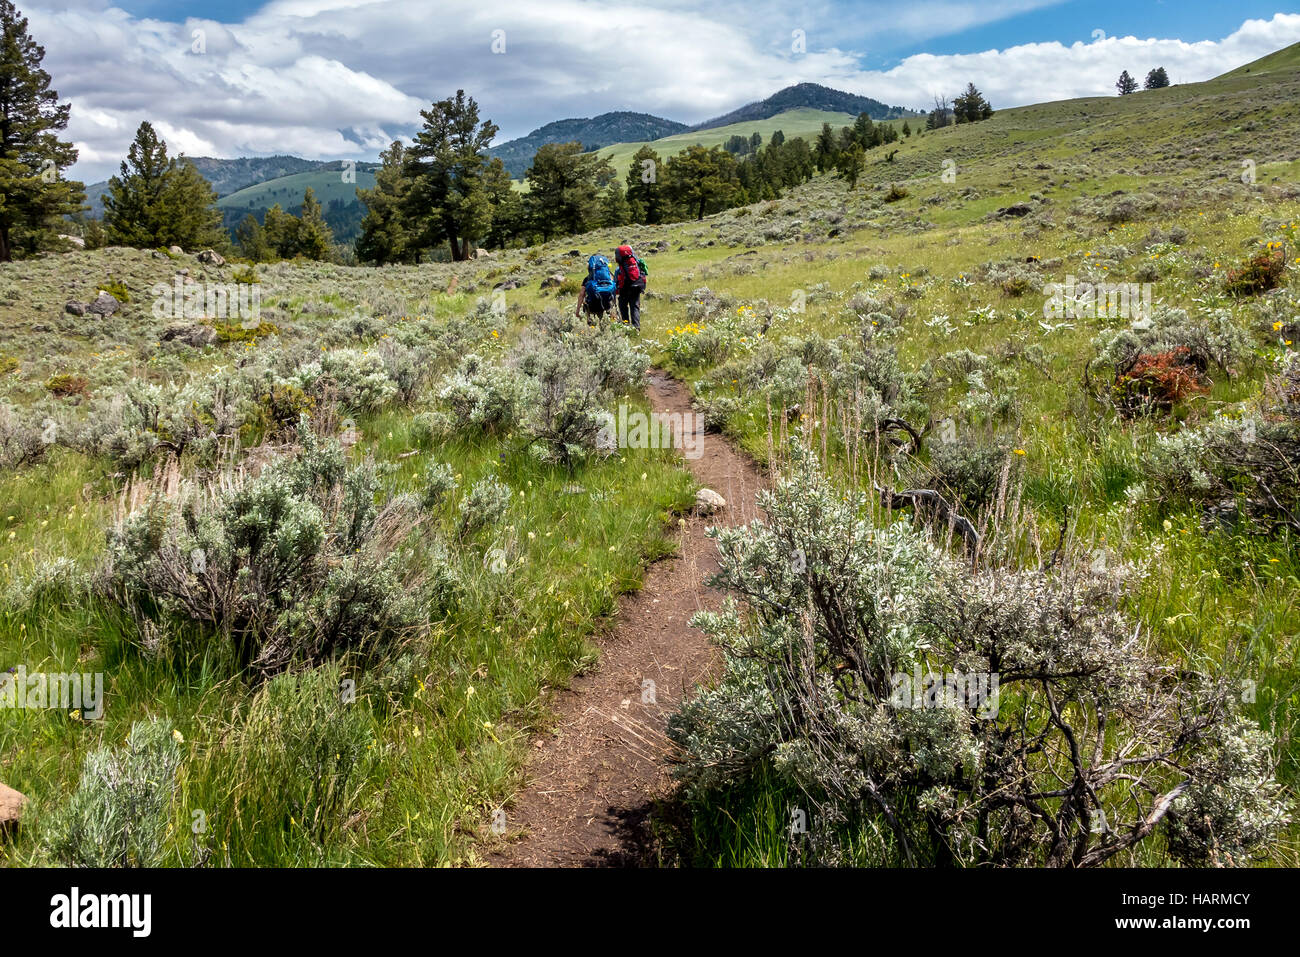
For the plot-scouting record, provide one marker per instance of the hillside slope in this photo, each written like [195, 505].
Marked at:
[793, 123]
[226, 175]
[335, 185]
[593, 133]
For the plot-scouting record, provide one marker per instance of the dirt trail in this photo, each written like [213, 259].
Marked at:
[593, 780]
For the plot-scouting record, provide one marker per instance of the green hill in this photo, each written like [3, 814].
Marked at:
[343, 211]
[793, 123]
[603, 130]
[225, 175]
[1286, 60]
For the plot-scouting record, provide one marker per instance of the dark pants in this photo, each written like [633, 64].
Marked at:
[629, 306]
[597, 303]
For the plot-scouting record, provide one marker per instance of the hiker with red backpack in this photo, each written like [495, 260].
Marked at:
[596, 297]
[630, 278]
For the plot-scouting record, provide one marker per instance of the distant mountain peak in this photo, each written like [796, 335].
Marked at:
[808, 96]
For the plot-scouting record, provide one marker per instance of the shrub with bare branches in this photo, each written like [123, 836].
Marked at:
[1088, 746]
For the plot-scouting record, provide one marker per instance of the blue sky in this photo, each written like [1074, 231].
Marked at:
[340, 79]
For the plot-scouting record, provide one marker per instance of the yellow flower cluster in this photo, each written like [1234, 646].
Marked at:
[690, 329]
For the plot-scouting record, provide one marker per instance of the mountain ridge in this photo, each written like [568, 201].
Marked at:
[808, 96]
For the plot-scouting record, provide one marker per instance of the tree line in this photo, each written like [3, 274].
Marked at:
[442, 194]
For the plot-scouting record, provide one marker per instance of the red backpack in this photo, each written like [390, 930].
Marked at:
[629, 264]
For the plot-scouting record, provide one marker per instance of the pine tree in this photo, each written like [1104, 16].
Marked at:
[614, 207]
[864, 130]
[33, 197]
[133, 204]
[250, 237]
[509, 216]
[155, 201]
[564, 186]
[1157, 79]
[1126, 84]
[824, 149]
[645, 187]
[971, 107]
[446, 163]
[190, 209]
[702, 180]
[94, 234]
[281, 230]
[850, 164]
[314, 236]
[385, 237]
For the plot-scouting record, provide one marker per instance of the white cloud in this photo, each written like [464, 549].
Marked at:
[341, 78]
[1041, 72]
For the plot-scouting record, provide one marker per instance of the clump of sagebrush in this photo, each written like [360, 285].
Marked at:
[22, 439]
[483, 394]
[551, 389]
[1152, 366]
[864, 381]
[972, 471]
[485, 505]
[1243, 470]
[118, 815]
[294, 564]
[1058, 739]
[576, 376]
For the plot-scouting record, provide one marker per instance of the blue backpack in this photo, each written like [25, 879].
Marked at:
[599, 275]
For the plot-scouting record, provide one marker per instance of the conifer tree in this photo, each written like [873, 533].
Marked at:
[33, 195]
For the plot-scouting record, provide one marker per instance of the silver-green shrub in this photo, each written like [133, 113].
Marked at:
[119, 814]
[1090, 743]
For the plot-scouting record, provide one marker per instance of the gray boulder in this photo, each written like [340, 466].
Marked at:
[103, 305]
[192, 334]
[708, 501]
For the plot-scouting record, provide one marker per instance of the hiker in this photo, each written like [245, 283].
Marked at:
[630, 279]
[596, 297]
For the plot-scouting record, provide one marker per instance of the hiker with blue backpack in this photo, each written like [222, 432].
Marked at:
[597, 295]
[630, 279]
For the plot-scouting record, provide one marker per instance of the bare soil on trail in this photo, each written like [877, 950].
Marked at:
[595, 776]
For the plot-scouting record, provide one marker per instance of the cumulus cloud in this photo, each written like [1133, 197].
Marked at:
[335, 79]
